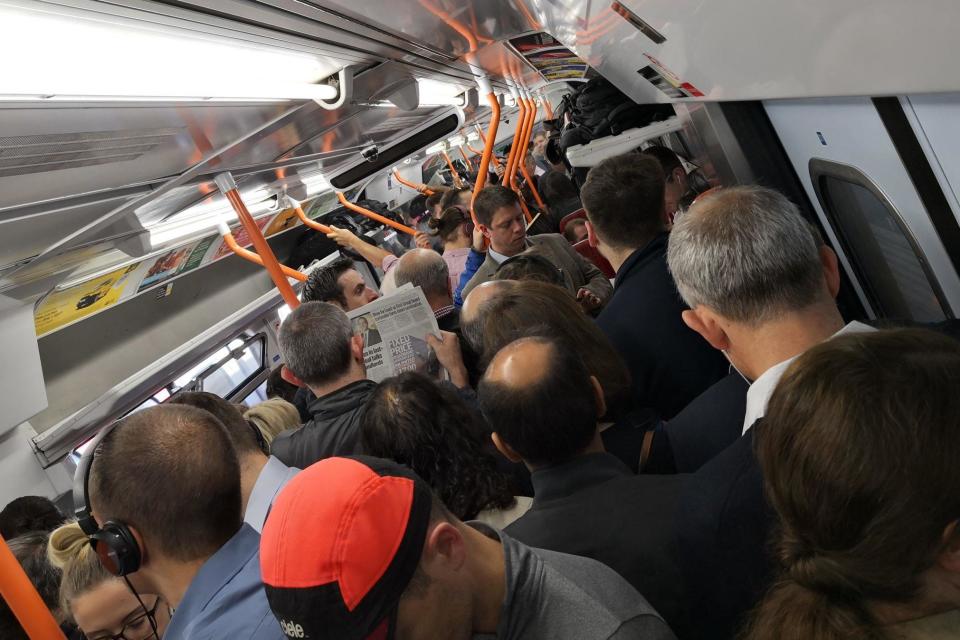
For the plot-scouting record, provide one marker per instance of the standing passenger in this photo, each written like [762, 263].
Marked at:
[544, 407]
[164, 491]
[761, 290]
[415, 421]
[340, 284]
[501, 221]
[100, 603]
[261, 475]
[320, 350]
[670, 364]
[859, 454]
[399, 565]
[426, 269]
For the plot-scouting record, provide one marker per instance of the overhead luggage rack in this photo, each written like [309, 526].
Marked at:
[596, 151]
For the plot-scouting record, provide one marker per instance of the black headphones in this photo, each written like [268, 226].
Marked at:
[113, 542]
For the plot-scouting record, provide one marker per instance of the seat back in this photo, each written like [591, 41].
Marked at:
[579, 213]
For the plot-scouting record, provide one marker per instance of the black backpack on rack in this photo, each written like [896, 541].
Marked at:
[598, 109]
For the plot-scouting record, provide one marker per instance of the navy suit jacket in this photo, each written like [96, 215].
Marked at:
[723, 529]
[670, 363]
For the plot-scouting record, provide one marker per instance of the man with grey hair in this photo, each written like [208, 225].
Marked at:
[428, 270]
[670, 365]
[321, 352]
[760, 285]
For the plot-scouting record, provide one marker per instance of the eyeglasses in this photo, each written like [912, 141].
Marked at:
[139, 628]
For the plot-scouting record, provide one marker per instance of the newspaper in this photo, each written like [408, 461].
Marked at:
[394, 331]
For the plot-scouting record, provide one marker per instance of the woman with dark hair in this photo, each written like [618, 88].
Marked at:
[859, 452]
[415, 421]
[455, 227]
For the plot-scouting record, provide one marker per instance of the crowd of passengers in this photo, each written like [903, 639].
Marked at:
[707, 449]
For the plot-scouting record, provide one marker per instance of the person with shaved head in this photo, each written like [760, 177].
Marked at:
[544, 405]
[165, 484]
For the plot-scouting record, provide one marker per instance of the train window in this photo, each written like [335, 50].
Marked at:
[238, 363]
[884, 254]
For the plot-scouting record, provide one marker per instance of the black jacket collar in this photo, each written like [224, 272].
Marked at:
[639, 258]
[342, 400]
[584, 471]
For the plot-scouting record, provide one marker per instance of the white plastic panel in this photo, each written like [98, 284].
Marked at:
[22, 392]
[758, 49]
[849, 131]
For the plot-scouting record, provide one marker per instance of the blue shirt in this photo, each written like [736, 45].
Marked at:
[226, 598]
[273, 477]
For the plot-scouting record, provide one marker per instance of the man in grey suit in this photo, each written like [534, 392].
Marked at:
[500, 219]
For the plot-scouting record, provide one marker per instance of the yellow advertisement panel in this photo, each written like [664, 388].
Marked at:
[61, 308]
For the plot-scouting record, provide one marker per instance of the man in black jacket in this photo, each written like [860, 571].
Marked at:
[544, 405]
[319, 348]
[669, 363]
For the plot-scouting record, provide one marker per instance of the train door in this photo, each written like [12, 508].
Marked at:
[872, 194]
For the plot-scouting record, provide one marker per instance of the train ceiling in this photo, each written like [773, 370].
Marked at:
[79, 178]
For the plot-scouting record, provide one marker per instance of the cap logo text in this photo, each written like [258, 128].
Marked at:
[291, 629]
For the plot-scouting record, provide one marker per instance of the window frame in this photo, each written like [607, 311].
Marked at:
[820, 170]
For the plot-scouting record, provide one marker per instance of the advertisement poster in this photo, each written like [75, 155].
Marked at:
[165, 267]
[199, 251]
[284, 220]
[61, 308]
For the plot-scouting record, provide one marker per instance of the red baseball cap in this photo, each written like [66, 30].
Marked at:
[341, 543]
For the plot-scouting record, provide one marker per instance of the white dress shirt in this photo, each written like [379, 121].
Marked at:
[758, 395]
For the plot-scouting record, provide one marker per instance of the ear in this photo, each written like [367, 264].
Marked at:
[949, 558]
[598, 396]
[484, 229]
[831, 270]
[592, 239]
[291, 377]
[444, 549]
[504, 448]
[356, 348]
[707, 324]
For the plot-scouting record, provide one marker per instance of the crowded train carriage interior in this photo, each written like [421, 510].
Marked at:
[507, 319]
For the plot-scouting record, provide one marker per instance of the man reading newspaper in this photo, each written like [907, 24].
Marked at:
[400, 333]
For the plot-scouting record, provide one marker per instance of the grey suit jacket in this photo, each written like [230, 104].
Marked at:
[579, 272]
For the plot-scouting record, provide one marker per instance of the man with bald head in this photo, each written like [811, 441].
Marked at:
[428, 270]
[471, 322]
[544, 406]
[168, 476]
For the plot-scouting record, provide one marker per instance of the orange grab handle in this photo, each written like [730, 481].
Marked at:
[496, 114]
[466, 158]
[23, 599]
[422, 188]
[316, 226]
[252, 257]
[262, 247]
[523, 165]
[514, 147]
[374, 216]
[518, 142]
[488, 141]
[453, 170]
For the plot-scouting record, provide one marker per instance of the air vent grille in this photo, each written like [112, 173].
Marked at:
[22, 155]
